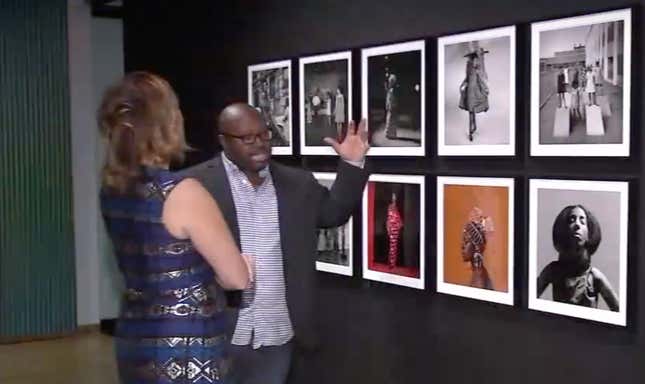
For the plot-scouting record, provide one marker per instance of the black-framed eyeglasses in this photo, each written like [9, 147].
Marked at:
[250, 139]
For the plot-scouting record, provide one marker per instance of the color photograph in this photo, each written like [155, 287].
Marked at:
[475, 231]
[393, 230]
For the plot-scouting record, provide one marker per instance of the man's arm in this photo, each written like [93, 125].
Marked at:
[337, 204]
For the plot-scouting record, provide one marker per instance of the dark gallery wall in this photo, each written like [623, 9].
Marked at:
[378, 333]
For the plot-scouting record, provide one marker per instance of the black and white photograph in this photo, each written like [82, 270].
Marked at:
[325, 101]
[269, 91]
[476, 93]
[393, 98]
[394, 230]
[580, 85]
[335, 245]
[578, 248]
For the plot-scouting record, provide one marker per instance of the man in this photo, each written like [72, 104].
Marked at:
[273, 212]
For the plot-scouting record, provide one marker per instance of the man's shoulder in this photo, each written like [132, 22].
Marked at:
[202, 169]
[289, 171]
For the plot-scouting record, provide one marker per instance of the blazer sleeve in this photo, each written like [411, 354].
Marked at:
[337, 204]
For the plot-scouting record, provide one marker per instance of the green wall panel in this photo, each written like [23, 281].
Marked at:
[37, 278]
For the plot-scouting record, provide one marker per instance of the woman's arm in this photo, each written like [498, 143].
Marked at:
[606, 291]
[191, 212]
[545, 278]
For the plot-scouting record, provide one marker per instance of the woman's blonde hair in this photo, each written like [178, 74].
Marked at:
[141, 120]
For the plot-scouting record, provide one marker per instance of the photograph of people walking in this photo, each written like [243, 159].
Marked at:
[269, 90]
[580, 85]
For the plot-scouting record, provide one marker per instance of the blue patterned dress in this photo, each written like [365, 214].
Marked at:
[173, 327]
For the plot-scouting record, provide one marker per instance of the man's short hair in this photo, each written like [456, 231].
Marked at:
[561, 231]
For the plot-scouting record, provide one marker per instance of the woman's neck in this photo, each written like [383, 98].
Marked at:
[575, 262]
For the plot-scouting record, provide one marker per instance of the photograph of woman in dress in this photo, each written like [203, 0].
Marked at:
[476, 93]
[474, 89]
[392, 101]
[393, 230]
[576, 237]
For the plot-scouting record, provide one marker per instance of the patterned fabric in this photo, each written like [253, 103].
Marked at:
[172, 327]
[264, 317]
[393, 225]
[578, 290]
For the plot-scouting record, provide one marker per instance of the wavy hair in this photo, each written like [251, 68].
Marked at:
[140, 118]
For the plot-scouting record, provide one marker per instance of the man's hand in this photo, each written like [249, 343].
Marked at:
[355, 145]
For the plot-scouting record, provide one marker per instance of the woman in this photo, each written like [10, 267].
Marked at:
[172, 243]
[575, 91]
[393, 226]
[473, 245]
[339, 114]
[474, 89]
[590, 85]
[562, 79]
[576, 237]
[391, 104]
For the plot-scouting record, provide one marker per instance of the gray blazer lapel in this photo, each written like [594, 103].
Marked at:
[216, 181]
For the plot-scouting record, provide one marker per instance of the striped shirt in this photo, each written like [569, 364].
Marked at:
[265, 321]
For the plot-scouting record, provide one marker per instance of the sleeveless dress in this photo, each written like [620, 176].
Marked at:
[339, 115]
[173, 327]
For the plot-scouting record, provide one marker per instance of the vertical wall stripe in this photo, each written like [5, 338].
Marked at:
[37, 278]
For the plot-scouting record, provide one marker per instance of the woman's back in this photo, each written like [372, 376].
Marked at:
[173, 325]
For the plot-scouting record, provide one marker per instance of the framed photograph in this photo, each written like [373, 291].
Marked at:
[475, 221]
[476, 93]
[580, 85]
[325, 101]
[269, 90]
[578, 248]
[393, 98]
[394, 230]
[335, 245]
